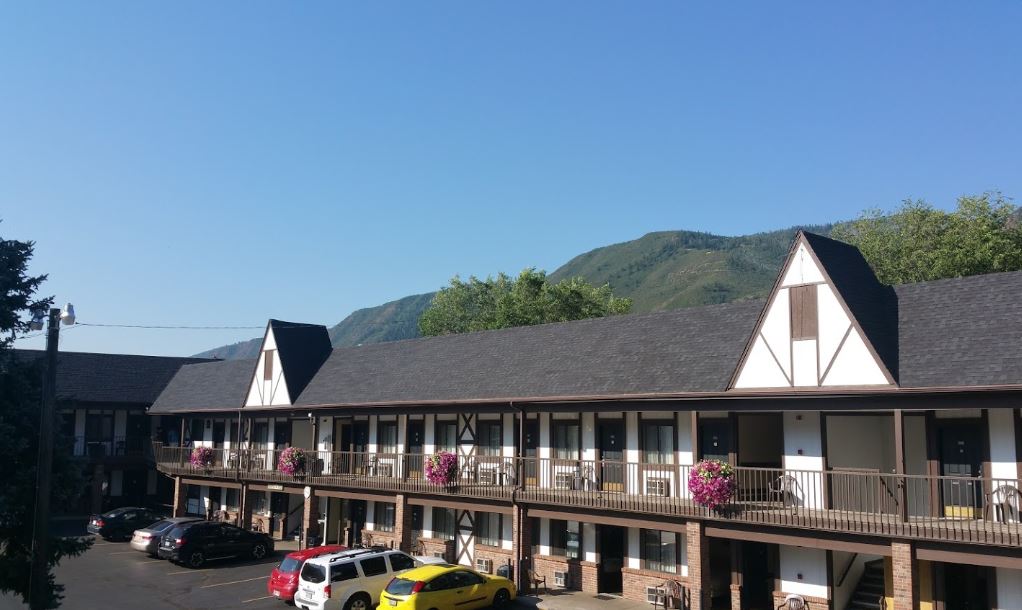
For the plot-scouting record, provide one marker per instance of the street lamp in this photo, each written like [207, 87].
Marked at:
[38, 580]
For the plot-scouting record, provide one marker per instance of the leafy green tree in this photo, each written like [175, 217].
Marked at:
[918, 242]
[526, 300]
[20, 395]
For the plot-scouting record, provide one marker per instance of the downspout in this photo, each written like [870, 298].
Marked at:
[519, 470]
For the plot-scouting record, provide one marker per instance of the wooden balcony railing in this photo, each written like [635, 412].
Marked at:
[961, 509]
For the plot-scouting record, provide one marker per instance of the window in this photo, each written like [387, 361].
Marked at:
[659, 550]
[342, 571]
[260, 435]
[197, 431]
[488, 438]
[313, 573]
[268, 365]
[386, 437]
[566, 440]
[383, 520]
[443, 523]
[232, 498]
[441, 583]
[446, 436]
[259, 503]
[658, 442]
[464, 578]
[372, 566]
[565, 539]
[488, 529]
[802, 302]
[400, 561]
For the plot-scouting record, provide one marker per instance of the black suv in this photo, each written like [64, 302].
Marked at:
[194, 543]
[121, 522]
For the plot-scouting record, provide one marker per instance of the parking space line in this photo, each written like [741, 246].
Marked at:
[153, 561]
[123, 552]
[187, 572]
[234, 582]
[257, 599]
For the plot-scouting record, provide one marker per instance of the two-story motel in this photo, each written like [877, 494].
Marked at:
[874, 432]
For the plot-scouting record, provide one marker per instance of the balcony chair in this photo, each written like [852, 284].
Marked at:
[1005, 503]
[670, 594]
[535, 581]
[787, 488]
[794, 602]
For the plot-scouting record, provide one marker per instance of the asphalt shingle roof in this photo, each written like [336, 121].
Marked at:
[302, 348]
[110, 378]
[209, 386]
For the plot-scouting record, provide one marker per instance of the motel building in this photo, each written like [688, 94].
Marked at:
[874, 434]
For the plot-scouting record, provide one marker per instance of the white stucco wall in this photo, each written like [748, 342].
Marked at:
[273, 391]
[803, 455]
[1003, 463]
[810, 564]
[1009, 589]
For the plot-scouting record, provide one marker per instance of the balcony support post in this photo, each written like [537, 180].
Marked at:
[698, 565]
[521, 535]
[98, 477]
[906, 576]
[899, 462]
[310, 517]
[180, 498]
[403, 523]
[736, 574]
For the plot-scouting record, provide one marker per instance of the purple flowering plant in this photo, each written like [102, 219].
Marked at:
[202, 457]
[442, 468]
[711, 483]
[291, 461]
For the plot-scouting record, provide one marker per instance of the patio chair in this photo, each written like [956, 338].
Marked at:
[794, 602]
[788, 490]
[669, 594]
[535, 581]
[1004, 500]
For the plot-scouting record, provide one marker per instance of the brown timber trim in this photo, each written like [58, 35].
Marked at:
[286, 490]
[732, 450]
[360, 495]
[1018, 442]
[210, 483]
[988, 475]
[869, 546]
[502, 509]
[933, 463]
[830, 575]
[992, 557]
[605, 519]
[823, 459]
[899, 462]
[695, 437]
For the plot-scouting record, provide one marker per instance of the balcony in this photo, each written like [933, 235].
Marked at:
[944, 508]
[116, 447]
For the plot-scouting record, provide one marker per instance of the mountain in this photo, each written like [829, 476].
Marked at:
[662, 270]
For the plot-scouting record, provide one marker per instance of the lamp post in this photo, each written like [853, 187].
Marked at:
[39, 576]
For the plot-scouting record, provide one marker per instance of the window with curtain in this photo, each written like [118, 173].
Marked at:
[232, 499]
[565, 539]
[383, 517]
[566, 440]
[386, 437]
[488, 441]
[446, 438]
[443, 523]
[658, 442]
[659, 550]
[488, 529]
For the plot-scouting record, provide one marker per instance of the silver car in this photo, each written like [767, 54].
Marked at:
[147, 540]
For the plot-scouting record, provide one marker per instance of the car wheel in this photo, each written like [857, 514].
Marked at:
[259, 551]
[358, 601]
[195, 560]
[501, 599]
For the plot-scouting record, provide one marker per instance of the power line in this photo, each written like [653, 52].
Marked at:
[173, 327]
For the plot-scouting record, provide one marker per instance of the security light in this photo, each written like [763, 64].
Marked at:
[67, 316]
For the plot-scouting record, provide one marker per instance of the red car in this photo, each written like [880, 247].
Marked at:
[284, 580]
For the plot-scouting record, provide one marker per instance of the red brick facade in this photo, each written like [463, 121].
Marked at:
[636, 582]
[816, 603]
[180, 498]
[497, 555]
[906, 581]
[698, 559]
[431, 546]
[546, 565]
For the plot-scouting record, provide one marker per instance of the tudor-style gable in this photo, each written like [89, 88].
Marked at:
[810, 334]
[290, 355]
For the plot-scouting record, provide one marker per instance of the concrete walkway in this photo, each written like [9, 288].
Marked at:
[576, 600]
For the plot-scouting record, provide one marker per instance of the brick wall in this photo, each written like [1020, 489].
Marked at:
[698, 565]
[635, 582]
[497, 555]
[905, 576]
[546, 565]
[390, 540]
[438, 545]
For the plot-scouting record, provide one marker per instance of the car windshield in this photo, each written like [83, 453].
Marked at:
[400, 586]
[313, 573]
[289, 565]
[159, 526]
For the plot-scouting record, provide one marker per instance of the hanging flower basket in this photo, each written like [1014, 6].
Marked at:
[292, 461]
[711, 483]
[202, 457]
[442, 469]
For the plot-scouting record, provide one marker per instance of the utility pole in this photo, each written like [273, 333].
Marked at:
[39, 580]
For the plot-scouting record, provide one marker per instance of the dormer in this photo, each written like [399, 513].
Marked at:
[828, 323]
[290, 355]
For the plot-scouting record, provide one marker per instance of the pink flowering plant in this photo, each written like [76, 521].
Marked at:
[711, 483]
[202, 457]
[442, 468]
[292, 461]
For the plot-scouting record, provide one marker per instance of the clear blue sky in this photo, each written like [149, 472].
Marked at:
[222, 163]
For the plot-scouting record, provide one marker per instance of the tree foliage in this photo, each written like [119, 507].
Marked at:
[918, 242]
[504, 302]
[20, 395]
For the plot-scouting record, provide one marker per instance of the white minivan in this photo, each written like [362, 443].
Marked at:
[349, 580]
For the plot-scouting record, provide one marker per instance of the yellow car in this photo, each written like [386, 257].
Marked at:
[446, 587]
